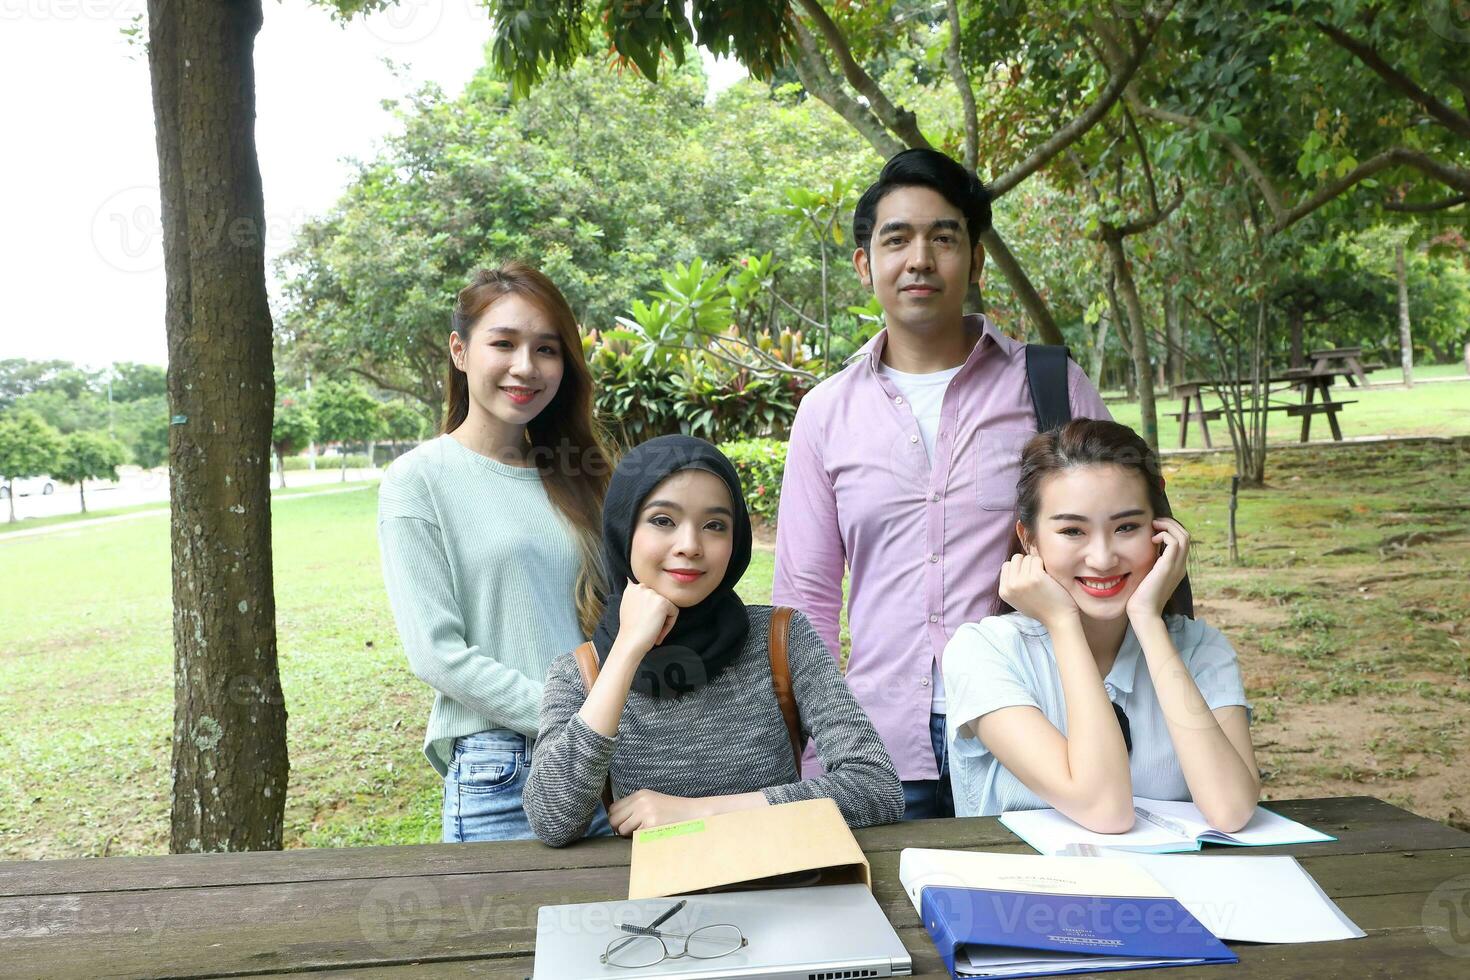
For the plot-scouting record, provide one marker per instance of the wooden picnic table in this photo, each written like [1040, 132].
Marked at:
[469, 910]
[1311, 383]
[1347, 361]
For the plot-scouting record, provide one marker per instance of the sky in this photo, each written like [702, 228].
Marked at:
[81, 257]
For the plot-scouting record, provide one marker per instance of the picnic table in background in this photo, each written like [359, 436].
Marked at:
[1346, 361]
[469, 910]
[1310, 382]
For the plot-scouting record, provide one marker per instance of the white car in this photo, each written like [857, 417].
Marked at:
[43, 485]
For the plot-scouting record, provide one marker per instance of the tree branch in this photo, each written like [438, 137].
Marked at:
[1454, 121]
[1118, 80]
[1144, 224]
[1148, 170]
[1247, 163]
[1451, 176]
[901, 121]
[414, 393]
[768, 366]
[1020, 283]
[962, 82]
[1427, 206]
[818, 79]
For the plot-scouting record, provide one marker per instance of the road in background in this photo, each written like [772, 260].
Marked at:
[151, 487]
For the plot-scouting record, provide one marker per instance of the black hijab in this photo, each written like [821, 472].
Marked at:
[707, 637]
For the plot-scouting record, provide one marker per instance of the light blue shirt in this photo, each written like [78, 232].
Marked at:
[1004, 661]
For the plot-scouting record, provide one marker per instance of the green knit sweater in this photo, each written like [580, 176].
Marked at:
[481, 572]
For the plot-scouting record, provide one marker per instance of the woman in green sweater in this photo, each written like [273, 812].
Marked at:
[490, 537]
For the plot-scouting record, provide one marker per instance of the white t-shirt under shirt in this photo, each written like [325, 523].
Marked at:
[1004, 661]
[925, 396]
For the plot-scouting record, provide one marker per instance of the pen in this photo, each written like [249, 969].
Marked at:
[1164, 822]
[649, 929]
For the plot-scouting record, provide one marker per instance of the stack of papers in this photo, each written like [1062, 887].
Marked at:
[1163, 826]
[1250, 898]
[1012, 961]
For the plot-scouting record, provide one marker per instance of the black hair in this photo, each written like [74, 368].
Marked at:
[931, 169]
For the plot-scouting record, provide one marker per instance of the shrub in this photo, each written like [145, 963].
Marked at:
[294, 463]
[760, 463]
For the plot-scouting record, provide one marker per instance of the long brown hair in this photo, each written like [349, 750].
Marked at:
[565, 441]
[1086, 442]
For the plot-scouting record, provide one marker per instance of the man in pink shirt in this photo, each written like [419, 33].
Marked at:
[901, 469]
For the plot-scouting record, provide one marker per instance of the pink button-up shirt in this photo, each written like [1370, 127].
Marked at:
[923, 543]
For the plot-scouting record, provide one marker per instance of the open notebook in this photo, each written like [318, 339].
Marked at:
[1162, 826]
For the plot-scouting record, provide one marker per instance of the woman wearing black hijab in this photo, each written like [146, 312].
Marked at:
[683, 715]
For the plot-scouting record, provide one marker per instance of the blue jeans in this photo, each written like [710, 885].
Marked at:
[483, 789]
[924, 799]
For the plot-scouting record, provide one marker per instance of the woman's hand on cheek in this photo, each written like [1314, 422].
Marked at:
[645, 808]
[644, 619]
[1030, 589]
[1153, 593]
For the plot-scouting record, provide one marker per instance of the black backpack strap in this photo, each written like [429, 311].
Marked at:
[1046, 373]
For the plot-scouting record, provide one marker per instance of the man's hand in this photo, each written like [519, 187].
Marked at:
[645, 808]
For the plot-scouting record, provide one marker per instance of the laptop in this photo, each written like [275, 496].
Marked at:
[827, 932]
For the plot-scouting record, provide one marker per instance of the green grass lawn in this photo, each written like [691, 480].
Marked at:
[93, 511]
[1393, 374]
[1427, 410]
[86, 686]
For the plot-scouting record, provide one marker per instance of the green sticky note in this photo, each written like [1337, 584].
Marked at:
[673, 830]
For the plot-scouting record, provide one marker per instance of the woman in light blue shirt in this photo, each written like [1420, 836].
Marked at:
[1090, 688]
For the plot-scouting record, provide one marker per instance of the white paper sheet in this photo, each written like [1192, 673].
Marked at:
[1248, 898]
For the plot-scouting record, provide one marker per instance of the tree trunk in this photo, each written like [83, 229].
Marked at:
[1174, 333]
[344, 464]
[229, 741]
[281, 468]
[82, 492]
[10, 484]
[1406, 340]
[1148, 422]
[1099, 350]
[1020, 284]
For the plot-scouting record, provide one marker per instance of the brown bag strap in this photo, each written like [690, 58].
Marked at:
[780, 632]
[589, 668]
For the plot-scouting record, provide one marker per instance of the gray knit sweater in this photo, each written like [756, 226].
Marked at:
[725, 737]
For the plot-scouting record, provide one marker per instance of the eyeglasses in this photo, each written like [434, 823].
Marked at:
[648, 945]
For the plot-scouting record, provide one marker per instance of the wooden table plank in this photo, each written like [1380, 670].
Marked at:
[1363, 825]
[319, 864]
[1392, 951]
[361, 922]
[470, 910]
